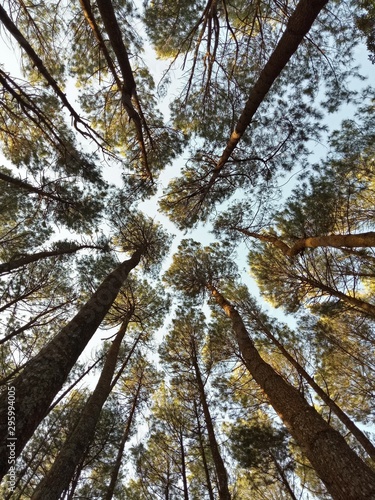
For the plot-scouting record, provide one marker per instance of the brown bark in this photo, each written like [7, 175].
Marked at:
[58, 477]
[44, 375]
[331, 240]
[203, 454]
[298, 26]
[345, 475]
[221, 472]
[6, 267]
[128, 87]
[124, 439]
[341, 415]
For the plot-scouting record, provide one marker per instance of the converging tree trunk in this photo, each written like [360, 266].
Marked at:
[124, 439]
[298, 26]
[331, 240]
[345, 475]
[203, 454]
[6, 267]
[221, 471]
[340, 414]
[44, 375]
[62, 470]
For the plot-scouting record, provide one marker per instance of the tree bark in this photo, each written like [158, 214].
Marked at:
[331, 240]
[60, 474]
[340, 414]
[32, 189]
[124, 439]
[218, 461]
[345, 475]
[298, 26]
[44, 375]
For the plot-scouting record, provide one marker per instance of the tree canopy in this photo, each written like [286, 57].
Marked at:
[187, 247]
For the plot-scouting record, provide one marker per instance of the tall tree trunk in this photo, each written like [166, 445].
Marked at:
[341, 415]
[298, 26]
[183, 468]
[62, 470]
[36, 60]
[33, 189]
[128, 87]
[6, 267]
[124, 439]
[283, 478]
[203, 454]
[44, 375]
[218, 461]
[361, 240]
[345, 475]
[360, 304]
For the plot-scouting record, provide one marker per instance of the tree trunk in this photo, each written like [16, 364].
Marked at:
[32, 189]
[6, 267]
[60, 474]
[298, 26]
[360, 304]
[204, 458]
[120, 452]
[36, 60]
[183, 468]
[128, 87]
[345, 475]
[340, 414]
[331, 240]
[44, 375]
[283, 478]
[218, 461]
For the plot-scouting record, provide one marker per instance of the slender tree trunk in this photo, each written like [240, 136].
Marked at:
[283, 478]
[124, 439]
[204, 458]
[74, 483]
[62, 470]
[6, 267]
[360, 304]
[298, 26]
[32, 189]
[345, 475]
[36, 60]
[183, 468]
[218, 461]
[44, 375]
[331, 240]
[341, 415]
[128, 88]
